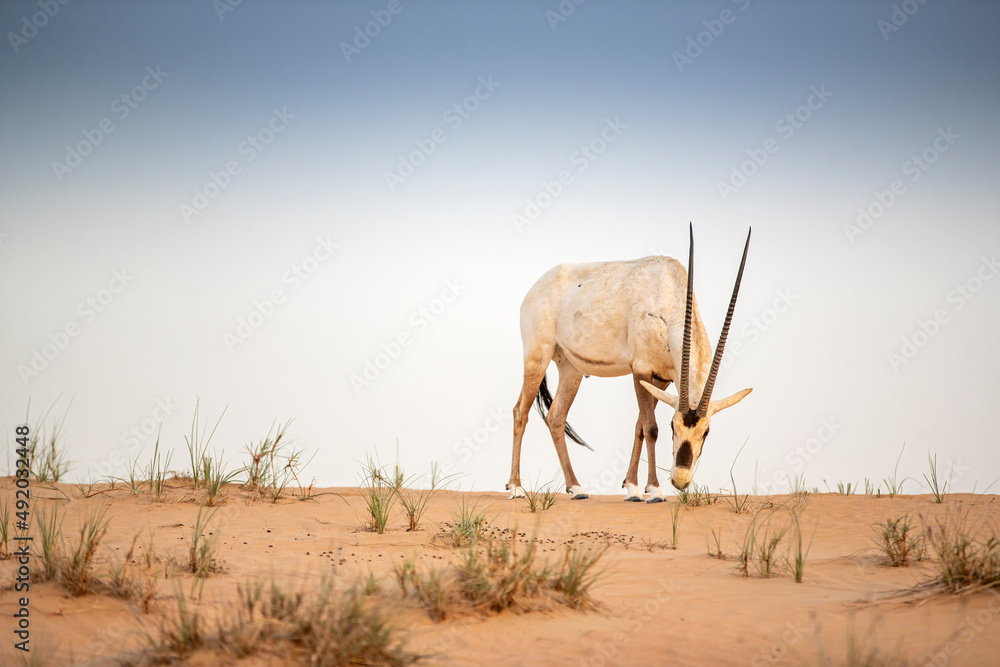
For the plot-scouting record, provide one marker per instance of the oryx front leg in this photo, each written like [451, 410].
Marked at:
[631, 483]
[650, 431]
[569, 382]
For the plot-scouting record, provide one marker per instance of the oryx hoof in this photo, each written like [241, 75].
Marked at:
[656, 499]
[578, 492]
[580, 496]
[516, 492]
[633, 499]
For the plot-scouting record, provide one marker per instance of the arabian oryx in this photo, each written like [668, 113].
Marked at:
[614, 318]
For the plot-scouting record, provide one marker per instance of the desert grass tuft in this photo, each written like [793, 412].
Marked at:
[120, 581]
[404, 569]
[134, 479]
[431, 589]
[86, 489]
[352, 629]
[797, 562]
[716, 550]
[758, 551]
[675, 524]
[46, 454]
[498, 573]
[156, 472]
[696, 496]
[414, 502]
[258, 472]
[147, 583]
[379, 493]
[50, 535]
[540, 497]
[332, 628]
[180, 631]
[203, 552]
[493, 576]
[215, 477]
[70, 565]
[274, 465]
[197, 444]
[241, 632]
[938, 489]
[799, 484]
[468, 524]
[968, 555]
[898, 541]
[74, 566]
[847, 488]
[740, 504]
[370, 585]
[893, 484]
[578, 573]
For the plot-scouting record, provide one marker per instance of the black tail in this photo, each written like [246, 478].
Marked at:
[544, 401]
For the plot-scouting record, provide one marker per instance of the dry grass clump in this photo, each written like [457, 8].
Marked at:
[331, 627]
[968, 557]
[759, 551]
[540, 497]
[898, 541]
[70, 564]
[203, 552]
[415, 501]
[468, 525]
[696, 496]
[75, 562]
[124, 584]
[274, 464]
[494, 575]
[379, 492]
[47, 461]
[430, 589]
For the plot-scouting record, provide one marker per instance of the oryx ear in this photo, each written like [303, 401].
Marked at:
[669, 399]
[727, 402]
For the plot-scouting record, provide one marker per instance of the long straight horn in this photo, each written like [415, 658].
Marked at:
[682, 386]
[706, 396]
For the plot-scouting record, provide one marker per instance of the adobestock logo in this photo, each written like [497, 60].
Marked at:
[38, 20]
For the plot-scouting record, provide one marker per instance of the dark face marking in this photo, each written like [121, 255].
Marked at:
[691, 418]
[685, 455]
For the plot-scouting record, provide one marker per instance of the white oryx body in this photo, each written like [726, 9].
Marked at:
[617, 318]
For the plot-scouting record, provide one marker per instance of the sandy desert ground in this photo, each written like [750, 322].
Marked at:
[651, 603]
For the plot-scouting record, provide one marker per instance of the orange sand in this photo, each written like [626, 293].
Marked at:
[655, 605]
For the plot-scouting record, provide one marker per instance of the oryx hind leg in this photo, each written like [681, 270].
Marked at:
[536, 361]
[569, 382]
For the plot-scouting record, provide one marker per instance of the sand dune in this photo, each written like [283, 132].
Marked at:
[652, 603]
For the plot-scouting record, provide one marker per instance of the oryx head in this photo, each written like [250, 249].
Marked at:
[689, 425]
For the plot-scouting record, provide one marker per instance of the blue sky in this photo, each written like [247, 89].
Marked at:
[793, 118]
